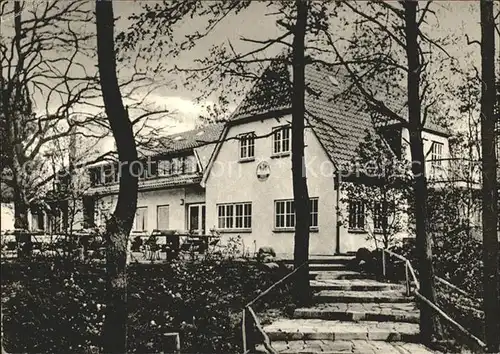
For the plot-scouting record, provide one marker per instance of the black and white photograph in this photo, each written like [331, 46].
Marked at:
[250, 177]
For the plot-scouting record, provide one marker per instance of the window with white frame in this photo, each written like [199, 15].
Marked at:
[356, 215]
[379, 217]
[235, 216]
[284, 214]
[247, 146]
[281, 140]
[436, 154]
[141, 219]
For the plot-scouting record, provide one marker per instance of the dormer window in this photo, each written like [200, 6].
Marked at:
[281, 140]
[177, 165]
[110, 175]
[95, 177]
[190, 165]
[164, 168]
[247, 146]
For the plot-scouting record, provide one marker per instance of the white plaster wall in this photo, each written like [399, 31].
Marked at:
[233, 181]
[152, 199]
[7, 216]
[352, 241]
[440, 174]
[204, 153]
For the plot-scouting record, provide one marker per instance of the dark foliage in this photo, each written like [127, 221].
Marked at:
[53, 307]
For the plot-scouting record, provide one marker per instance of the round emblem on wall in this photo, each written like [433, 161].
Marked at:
[263, 170]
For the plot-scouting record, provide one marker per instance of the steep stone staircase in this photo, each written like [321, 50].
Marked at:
[352, 313]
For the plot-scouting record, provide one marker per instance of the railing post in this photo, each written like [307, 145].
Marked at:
[383, 263]
[250, 333]
[243, 330]
[408, 290]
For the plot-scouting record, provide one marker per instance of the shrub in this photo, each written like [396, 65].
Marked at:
[57, 307]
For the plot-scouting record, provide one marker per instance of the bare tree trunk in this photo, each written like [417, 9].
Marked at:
[301, 196]
[118, 227]
[21, 222]
[429, 323]
[489, 176]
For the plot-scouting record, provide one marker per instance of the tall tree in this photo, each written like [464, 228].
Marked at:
[428, 320]
[299, 178]
[119, 225]
[49, 92]
[387, 62]
[32, 69]
[489, 178]
[233, 70]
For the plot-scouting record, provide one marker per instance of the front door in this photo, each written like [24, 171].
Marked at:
[196, 218]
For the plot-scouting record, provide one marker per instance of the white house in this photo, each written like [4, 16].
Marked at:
[170, 195]
[248, 182]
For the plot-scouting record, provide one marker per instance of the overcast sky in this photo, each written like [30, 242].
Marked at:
[457, 17]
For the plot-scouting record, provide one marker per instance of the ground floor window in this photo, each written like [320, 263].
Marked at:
[380, 217]
[284, 213]
[196, 218]
[37, 220]
[162, 217]
[235, 216]
[356, 215]
[141, 219]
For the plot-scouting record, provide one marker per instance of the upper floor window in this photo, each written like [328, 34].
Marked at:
[235, 216]
[190, 164]
[164, 168]
[436, 153]
[281, 140]
[247, 146]
[284, 214]
[356, 215]
[110, 174]
[177, 165]
[152, 169]
[95, 177]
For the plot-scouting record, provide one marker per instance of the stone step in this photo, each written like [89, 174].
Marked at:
[326, 266]
[361, 296]
[317, 329]
[340, 274]
[383, 312]
[342, 259]
[355, 285]
[346, 346]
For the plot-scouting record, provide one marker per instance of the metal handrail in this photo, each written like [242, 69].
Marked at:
[265, 292]
[409, 268]
[253, 317]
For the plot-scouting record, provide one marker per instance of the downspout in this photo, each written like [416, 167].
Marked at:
[336, 181]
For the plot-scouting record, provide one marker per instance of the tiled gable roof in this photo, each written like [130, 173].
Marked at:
[271, 92]
[339, 119]
[187, 140]
[152, 184]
